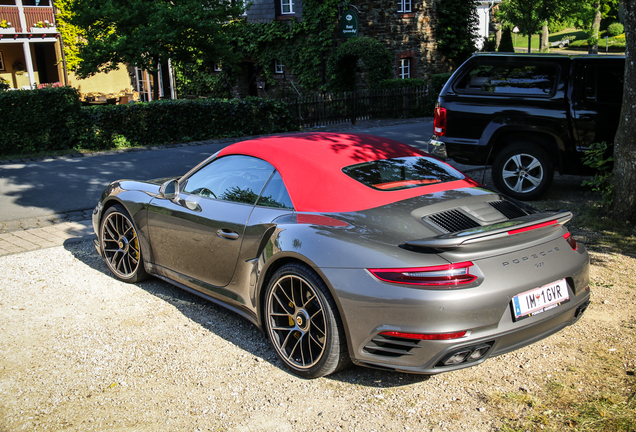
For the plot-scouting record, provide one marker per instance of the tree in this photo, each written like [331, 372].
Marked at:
[624, 173]
[528, 15]
[506, 44]
[588, 15]
[143, 32]
[457, 23]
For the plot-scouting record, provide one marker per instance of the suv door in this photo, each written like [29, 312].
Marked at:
[596, 95]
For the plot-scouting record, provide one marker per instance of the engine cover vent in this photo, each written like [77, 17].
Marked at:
[508, 209]
[452, 221]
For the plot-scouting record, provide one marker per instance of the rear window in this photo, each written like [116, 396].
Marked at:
[402, 173]
[509, 79]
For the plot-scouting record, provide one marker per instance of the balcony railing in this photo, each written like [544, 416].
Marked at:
[12, 15]
[32, 14]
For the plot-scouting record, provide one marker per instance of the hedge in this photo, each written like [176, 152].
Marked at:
[183, 120]
[39, 120]
[53, 119]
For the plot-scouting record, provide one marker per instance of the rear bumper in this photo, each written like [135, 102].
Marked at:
[497, 344]
[370, 307]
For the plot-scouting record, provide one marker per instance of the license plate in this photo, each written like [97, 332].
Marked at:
[539, 300]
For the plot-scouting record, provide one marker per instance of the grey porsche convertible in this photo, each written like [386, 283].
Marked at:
[351, 248]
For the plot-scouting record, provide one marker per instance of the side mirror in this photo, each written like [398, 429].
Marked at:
[169, 190]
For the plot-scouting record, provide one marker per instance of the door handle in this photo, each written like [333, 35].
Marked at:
[228, 234]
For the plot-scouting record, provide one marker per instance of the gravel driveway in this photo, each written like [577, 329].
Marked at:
[82, 351]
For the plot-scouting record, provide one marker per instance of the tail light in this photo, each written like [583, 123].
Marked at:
[439, 121]
[568, 238]
[425, 336]
[449, 275]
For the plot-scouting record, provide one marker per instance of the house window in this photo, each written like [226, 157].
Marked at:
[287, 6]
[1, 61]
[404, 6]
[279, 67]
[218, 67]
[405, 68]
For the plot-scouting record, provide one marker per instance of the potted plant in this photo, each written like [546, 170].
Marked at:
[6, 27]
[43, 27]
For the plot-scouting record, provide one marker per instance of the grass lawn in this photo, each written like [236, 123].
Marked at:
[578, 39]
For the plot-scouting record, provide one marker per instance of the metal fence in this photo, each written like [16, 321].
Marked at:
[335, 108]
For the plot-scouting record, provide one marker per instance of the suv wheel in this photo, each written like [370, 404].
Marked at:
[523, 171]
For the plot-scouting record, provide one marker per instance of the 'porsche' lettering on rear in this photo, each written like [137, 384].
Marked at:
[531, 257]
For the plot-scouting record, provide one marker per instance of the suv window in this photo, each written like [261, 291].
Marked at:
[509, 79]
[604, 84]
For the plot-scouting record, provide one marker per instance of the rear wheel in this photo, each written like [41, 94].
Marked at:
[523, 171]
[303, 324]
[119, 243]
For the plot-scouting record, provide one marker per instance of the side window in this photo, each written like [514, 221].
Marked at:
[286, 7]
[604, 84]
[275, 194]
[230, 178]
[517, 79]
[405, 68]
[404, 6]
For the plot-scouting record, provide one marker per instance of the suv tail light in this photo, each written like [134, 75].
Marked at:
[443, 276]
[439, 121]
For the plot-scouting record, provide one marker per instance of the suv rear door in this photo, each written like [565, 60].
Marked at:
[596, 95]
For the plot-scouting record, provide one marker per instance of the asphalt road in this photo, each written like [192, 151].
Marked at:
[42, 188]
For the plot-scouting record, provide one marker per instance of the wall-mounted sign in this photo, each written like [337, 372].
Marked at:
[349, 24]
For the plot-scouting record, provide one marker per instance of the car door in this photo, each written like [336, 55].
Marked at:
[198, 234]
[596, 94]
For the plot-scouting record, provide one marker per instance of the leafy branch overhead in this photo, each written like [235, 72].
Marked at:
[140, 33]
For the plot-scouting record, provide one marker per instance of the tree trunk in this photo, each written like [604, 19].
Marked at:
[624, 174]
[596, 26]
[497, 36]
[529, 43]
[545, 37]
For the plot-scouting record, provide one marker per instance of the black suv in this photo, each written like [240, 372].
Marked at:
[528, 115]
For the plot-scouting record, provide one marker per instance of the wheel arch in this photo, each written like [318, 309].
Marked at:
[272, 266]
[551, 144]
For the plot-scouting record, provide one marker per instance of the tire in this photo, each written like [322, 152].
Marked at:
[120, 245]
[303, 324]
[523, 171]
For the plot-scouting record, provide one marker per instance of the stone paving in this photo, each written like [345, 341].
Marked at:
[44, 236]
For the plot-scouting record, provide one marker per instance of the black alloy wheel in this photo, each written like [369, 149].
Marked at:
[303, 324]
[523, 171]
[120, 245]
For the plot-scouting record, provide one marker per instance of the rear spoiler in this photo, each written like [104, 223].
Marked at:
[545, 220]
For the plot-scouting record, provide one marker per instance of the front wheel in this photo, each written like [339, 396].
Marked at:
[120, 245]
[523, 171]
[303, 324]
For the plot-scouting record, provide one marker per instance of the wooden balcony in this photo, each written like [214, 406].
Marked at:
[32, 14]
[12, 15]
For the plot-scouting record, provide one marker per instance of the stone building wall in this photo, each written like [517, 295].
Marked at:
[406, 35]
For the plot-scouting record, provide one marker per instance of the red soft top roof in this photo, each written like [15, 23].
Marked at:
[311, 167]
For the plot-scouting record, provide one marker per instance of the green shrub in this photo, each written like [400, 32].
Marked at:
[39, 120]
[506, 45]
[615, 29]
[343, 64]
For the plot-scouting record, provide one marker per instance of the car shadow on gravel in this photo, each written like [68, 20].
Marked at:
[232, 327]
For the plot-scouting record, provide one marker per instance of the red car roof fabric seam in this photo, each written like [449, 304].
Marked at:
[311, 164]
